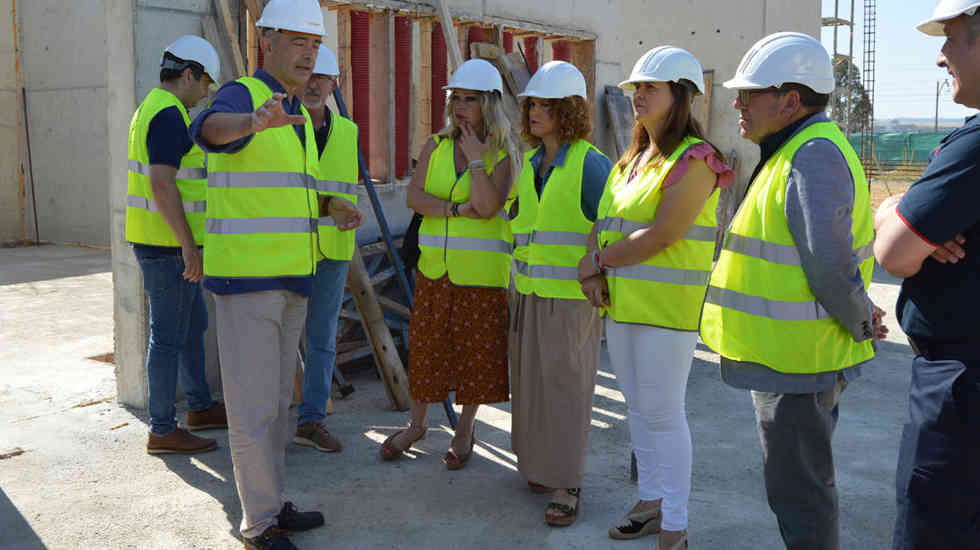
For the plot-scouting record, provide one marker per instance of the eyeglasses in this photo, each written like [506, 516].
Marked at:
[745, 96]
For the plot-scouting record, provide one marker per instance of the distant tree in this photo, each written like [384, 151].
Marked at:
[850, 105]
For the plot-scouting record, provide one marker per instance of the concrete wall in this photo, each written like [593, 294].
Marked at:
[11, 199]
[64, 71]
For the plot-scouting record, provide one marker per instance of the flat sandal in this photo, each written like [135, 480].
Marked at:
[388, 450]
[568, 514]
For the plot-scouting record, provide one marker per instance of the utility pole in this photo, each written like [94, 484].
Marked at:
[940, 86]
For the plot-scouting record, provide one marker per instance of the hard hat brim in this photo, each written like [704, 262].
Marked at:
[539, 95]
[743, 84]
[630, 85]
[932, 27]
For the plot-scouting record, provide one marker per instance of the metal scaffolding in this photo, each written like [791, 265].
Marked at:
[868, 73]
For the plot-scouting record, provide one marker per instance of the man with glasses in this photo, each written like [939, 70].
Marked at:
[924, 237]
[787, 306]
[260, 256]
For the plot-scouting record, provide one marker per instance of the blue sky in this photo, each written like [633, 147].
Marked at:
[905, 59]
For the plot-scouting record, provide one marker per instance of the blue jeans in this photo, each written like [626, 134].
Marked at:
[178, 319]
[322, 315]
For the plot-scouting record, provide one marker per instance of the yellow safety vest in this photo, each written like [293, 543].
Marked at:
[338, 178]
[144, 224]
[474, 252]
[759, 307]
[665, 290]
[262, 203]
[551, 233]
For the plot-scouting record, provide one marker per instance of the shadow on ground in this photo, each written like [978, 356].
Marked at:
[15, 532]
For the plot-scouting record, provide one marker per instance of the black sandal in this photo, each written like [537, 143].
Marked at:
[566, 514]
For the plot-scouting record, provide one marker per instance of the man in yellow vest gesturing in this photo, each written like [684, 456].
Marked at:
[787, 306]
[260, 256]
[165, 225]
[336, 141]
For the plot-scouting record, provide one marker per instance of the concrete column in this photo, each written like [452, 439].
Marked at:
[130, 311]
[11, 116]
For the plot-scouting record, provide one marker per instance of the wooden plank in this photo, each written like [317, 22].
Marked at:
[211, 32]
[231, 35]
[386, 358]
[254, 8]
[395, 307]
[620, 111]
[701, 109]
[378, 102]
[392, 163]
[423, 98]
[513, 63]
[485, 50]
[344, 58]
[449, 33]
[253, 43]
[583, 57]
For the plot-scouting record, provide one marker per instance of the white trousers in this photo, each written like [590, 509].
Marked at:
[258, 334]
[652, 365]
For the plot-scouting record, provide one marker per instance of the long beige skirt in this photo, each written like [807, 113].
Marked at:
[554, 355]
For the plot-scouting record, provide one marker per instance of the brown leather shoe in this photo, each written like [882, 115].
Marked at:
[179, 441]
[211, 417]
[313, 435]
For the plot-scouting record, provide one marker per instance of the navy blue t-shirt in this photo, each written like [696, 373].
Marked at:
[234, 97]
[167, 141]
[941, 303]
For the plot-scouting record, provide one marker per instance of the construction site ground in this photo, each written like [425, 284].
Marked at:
[74, 472]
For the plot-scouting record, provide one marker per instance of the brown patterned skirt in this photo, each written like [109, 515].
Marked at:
[458, 342]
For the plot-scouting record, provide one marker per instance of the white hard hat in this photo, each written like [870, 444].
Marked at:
[666, 64]
[946, 10]
[782, 58]
[199, 50]
[326, 62]
[293, 15]
[476, 74]
[555, 80]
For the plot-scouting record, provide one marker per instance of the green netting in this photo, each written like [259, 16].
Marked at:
[900, 148]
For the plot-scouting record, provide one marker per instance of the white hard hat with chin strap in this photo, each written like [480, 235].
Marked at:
[667, 64]
[946, 10]
[303, 16]
[190, 48]
[783, 58]
[556, 80]
[476, 74]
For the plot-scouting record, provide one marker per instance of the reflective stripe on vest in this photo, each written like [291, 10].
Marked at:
[551, 232]
[338, 176]
[143, 203]
[667, 289]
[144, 223]
[759, 307]
[473, 252]
[262, 207]
[138, 167]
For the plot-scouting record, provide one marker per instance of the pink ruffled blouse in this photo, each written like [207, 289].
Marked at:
[726, 177]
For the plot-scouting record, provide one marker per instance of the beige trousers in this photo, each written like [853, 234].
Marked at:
[258, 333]
[554, 355]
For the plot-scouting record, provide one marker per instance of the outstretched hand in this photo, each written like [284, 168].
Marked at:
[271, 115]
[877, 324]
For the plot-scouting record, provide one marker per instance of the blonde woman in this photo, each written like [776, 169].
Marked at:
[555, 333]
[459, 324]
[649, 264]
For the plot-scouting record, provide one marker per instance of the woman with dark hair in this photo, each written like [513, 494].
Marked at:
[554, 339]
[458, 334]
[652, 250]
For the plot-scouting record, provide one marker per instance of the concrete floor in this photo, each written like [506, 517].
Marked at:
[85, 481]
